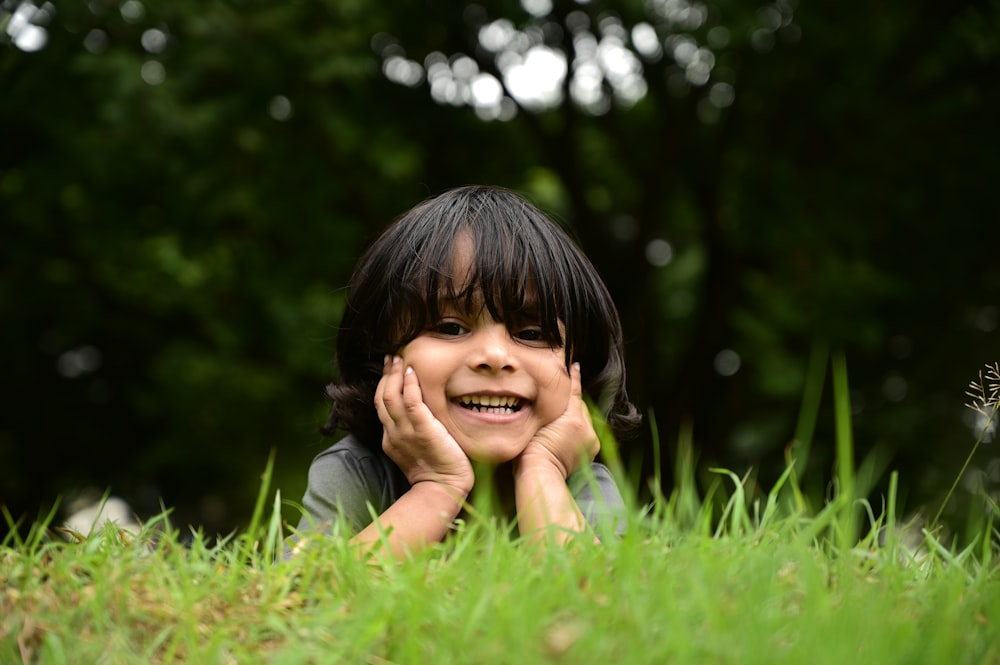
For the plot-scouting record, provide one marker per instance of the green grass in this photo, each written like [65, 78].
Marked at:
[750, 590]
[720, 578]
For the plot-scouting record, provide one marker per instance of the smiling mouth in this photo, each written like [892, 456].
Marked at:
[495, 404]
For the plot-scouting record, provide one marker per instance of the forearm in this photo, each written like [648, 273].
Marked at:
[545, 506]
[420, 517]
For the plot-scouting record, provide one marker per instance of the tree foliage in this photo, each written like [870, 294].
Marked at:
[184, 187]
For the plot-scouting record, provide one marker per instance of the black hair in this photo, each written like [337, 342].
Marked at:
[522, 261]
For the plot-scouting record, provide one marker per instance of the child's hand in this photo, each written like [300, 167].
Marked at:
[413, 438]
[567, 440]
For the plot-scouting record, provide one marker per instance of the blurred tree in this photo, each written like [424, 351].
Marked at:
[184, 187]
[752, 182]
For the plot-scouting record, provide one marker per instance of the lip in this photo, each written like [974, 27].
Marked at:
[461, 411]
[521, 399]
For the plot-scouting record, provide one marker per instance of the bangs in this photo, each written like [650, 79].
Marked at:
[511, 299]
[477, 262]
[477, 248]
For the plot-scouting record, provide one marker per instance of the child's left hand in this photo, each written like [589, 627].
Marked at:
[569, 439]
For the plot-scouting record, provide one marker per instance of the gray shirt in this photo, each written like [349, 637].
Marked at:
[350, 482]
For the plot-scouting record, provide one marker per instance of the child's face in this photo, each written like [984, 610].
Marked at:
[492, 388]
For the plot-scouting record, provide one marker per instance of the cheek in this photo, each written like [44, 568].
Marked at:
[557, 379]
[420, 355]
[555, 384]
[433, 364]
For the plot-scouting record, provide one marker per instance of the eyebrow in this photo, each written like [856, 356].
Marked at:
[473, 302]
[530, 308]
[460, 300]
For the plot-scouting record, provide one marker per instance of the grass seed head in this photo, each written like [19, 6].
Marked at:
[984, 393]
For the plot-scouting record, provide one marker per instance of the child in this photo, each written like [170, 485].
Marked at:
[473, 328]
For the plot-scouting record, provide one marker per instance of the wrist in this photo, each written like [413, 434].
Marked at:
[456, 478]
[440, 498]
[458, 487]
[541, 462]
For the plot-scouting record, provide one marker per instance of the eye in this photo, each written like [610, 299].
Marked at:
[530, 334]
[449, 328]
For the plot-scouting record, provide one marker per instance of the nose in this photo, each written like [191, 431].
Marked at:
[493, 350]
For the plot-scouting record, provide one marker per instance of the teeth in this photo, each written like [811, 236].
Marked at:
[505, 401]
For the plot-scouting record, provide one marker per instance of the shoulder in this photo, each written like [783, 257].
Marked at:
[598, 497]
[345, 478]
[595, 477]
[348, 448]
[350, 457]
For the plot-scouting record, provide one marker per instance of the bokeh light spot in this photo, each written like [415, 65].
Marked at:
[154, 40]
[727, 362]
[659, 252]
[96, 41]
[402, 70]
[153, 72]
[77, 362]
[26, 26]
[132, 11]
[536, 82]
[895, 387]
[537, 8]
[721, 95]
[280, 108]
[495, 36]
[646, 41]
[987, 318]
[718, 37]
[486, 91]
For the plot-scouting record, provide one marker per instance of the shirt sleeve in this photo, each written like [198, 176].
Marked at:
[598, 498]
[343, 491]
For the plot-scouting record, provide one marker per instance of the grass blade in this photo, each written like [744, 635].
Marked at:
[844, 450]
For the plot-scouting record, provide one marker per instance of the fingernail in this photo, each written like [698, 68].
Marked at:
[396, 360]
[409, 370]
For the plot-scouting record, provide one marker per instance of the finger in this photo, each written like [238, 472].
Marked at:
[575, 390]
[386, 363]
[380, 408]
[575, 382]
[413, 396]
[390, 389]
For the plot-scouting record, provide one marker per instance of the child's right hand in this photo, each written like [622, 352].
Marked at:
[413, 438]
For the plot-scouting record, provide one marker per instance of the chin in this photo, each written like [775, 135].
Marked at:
[493, 454]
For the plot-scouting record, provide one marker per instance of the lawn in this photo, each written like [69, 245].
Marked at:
[755, 587]
[724, 577]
